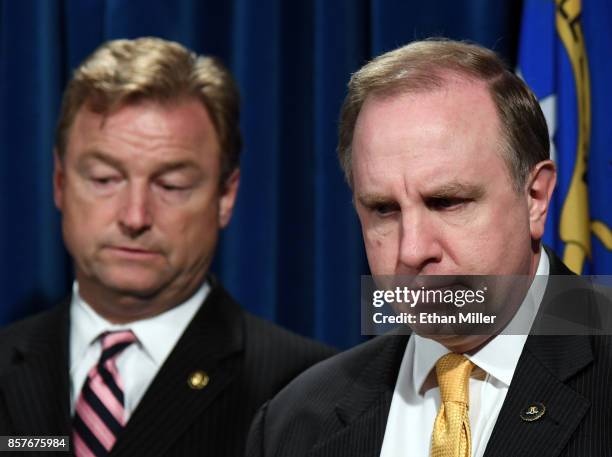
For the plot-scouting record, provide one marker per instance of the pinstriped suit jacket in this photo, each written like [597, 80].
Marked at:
[340, 406]
[248, 361]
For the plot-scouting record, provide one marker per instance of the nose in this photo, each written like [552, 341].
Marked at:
[135, 215]
[420, 246]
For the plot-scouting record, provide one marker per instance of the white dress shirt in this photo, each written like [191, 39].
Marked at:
[414, 405]
[138, 363]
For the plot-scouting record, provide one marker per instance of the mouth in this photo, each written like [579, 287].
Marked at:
[133, 253]
[429, 282]
[448, 282]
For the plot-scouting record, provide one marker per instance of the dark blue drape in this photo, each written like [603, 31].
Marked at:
[293, 252]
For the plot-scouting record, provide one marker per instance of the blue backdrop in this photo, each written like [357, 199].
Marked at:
[293, 252]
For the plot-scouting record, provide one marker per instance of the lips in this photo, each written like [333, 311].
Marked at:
[132, 252]
[435, 282]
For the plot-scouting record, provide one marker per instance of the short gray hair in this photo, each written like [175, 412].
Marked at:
[424, 66]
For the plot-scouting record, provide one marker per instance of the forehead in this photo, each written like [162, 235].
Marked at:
[144, 127]
[427, 136]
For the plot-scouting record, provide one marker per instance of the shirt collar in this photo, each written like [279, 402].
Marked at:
[500, 355]
[156, 335]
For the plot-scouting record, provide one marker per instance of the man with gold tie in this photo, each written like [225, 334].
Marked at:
[447, 155]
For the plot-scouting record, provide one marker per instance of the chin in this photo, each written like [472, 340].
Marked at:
[457, 343]
[141, 286]
[463, 343]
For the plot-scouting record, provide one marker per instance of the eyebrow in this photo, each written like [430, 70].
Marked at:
[372, 200]
[454, 189]
[178, 166]
[112, 161]
[448, 190]
[95, 154]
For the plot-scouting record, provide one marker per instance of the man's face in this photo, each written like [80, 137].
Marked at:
[141, 202]
[432, 191]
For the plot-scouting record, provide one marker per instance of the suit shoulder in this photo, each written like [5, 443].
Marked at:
[306, 410]
[279, 344]
[38, 329]
[23, 330]
[329, 378]
[274, 356]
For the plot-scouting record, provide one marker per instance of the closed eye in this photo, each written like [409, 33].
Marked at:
[445, 203]
[170, 187]
[105, 180]
[378, 205]
[384, 208]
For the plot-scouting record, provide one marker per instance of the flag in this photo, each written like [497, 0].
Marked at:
[565, 56]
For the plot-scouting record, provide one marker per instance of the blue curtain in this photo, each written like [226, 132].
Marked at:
[293, 252]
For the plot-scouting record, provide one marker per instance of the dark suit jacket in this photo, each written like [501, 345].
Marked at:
[248, 361]
[340, 406]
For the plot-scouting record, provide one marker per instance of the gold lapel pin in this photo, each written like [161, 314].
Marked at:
[533, 412]
[198, 380]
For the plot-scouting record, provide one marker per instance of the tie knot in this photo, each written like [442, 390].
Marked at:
[453, 371]
[113, 343]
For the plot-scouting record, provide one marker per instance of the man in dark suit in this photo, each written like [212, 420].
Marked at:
[447, 154]
[150, 355]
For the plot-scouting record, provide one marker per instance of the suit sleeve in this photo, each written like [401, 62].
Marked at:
[255, 440]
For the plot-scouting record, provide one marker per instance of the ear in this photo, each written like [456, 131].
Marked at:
[228, 198]
[58, 180]
[542, 180]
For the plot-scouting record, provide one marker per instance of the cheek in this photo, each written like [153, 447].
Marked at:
[84, 220]
[382, 247]
[495, 242]
[512, 223]
[191, 232]
[80, 201]
[82, 232]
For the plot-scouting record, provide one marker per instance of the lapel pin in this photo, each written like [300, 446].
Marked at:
[198, 380]
[533, 412]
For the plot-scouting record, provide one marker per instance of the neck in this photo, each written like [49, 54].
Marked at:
[123, 307]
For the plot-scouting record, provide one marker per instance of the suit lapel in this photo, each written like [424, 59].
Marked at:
[361, 414]
[36, 387]
[212, 343]
[546, 364]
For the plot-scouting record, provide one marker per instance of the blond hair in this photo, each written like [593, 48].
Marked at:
[424, 66]
[120, 72]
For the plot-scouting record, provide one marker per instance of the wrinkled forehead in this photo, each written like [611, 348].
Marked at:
[452, 128]
[146, 134]
[104, 106]
[184, 116]
[452, 91]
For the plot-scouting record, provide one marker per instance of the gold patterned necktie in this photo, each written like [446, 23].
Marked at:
[451, 432]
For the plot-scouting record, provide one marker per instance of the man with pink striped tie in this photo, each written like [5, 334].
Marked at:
[99, 414]
[149, 355]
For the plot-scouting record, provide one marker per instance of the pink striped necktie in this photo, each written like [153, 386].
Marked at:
[99, 414]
